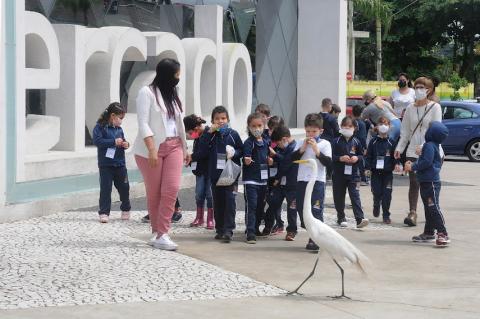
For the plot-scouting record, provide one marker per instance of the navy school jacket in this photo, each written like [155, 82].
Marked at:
[287, 169]
[429, 163]
[379, 148]
[341, 147]
[201, 163]
[330, 127]
[361, 132]
[104, 138]
[258, 151]
[212, 144]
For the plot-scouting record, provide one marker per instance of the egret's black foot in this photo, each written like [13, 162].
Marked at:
[294, 293]
[340, 297]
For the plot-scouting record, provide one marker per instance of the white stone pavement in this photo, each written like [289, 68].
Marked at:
[72, 259]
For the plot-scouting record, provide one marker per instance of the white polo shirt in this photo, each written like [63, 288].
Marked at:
[305, 171]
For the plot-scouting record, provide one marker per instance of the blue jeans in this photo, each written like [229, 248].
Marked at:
[430, 193]
[119, 177]
[381, 184]
[254, 205]
[394, 132]
[318, 197]
[224, 207]
[203, 190]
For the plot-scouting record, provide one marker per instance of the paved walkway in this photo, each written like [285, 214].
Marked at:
[107, 271]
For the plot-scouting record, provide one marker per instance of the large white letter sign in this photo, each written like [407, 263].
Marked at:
[42, 57]
[202, 84]
[103, 71]
[77, 45]
[237, 77]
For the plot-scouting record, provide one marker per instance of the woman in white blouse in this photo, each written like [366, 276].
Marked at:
[403, 96]
[416, 120]
[161, 148]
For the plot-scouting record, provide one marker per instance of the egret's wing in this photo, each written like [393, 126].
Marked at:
[337, 245]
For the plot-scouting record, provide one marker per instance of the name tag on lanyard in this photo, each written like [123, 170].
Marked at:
[110, 152]
[273, 171]
[380, 162]
[348, 170]
[193, 165]
[221, 159]
[263, 171]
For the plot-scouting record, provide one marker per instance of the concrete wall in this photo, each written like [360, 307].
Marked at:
[2, 106]
[322, 49]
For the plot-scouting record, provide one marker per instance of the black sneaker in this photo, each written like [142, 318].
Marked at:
[177, 217]
[218, 237]
[251, 239]
[423, 238]
[258, 233]
[311, 245]
[227, 238]
[265, 232]
[376, 211]
[146, 219]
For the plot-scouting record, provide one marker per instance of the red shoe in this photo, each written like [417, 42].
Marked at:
[198, 222]
[290, 236]
[210, 220]
[442, 239]
[277, 230]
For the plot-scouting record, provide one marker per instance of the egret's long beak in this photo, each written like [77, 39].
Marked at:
[301, 162]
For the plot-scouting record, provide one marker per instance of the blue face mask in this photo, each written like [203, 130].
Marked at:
[317, 139]
[224, 128]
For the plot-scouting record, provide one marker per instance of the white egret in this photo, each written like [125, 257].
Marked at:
[327, 238]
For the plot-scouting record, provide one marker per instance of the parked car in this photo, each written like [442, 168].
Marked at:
[463, 121]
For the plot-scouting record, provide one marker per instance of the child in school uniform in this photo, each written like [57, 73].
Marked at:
[312, 147]
[194, 127]
[347, 153]
[219, 143]
[273, 218]
[427, 169]
[255, 175]
[285, 181]
[111, 145]
[379, 165]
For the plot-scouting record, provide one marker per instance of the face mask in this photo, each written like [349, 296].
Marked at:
[224, 128]
[285, 144]
[195, 135]
[402, 83]
[256, 133]
[347, 132]
[366, 103]
[273, 144]
[174, 82]
[420, 94]
[383, 129]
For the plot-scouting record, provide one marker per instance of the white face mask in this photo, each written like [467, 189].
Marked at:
[347, 132]
[285, 144]
[383, 128]
[256, 133]
[420, 94]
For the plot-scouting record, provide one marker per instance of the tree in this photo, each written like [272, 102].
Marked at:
[381, 12]
[456, 83]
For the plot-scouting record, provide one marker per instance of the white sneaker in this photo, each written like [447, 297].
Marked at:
[344, 224]
[103, 218]
[164, 243]
[151, 240]
[363, 223]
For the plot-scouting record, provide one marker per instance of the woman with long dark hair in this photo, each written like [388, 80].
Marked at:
[403, 96]
[161, 147]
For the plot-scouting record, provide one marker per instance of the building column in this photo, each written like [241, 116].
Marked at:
[322, 55]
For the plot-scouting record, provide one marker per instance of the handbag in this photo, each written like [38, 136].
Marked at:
[403, 157]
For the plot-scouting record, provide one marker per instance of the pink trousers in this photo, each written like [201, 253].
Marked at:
[162, 183]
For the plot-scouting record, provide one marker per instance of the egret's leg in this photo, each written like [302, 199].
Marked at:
[303, 282]
[343, 282]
